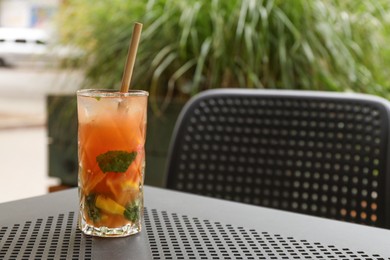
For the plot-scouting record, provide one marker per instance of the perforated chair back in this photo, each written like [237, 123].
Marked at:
[318, 153]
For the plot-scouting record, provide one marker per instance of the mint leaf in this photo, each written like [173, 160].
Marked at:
[115, 161]
[132, 211]
[93, 211]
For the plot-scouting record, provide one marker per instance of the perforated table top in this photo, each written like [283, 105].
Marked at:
[183, 226]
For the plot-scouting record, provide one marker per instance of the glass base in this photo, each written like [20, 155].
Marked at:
[123, 231]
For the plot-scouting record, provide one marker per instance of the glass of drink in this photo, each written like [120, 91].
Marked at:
[111, 138]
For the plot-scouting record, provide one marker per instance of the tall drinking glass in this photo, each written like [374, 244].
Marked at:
[111, 138]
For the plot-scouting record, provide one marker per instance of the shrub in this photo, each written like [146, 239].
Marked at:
[193, 45]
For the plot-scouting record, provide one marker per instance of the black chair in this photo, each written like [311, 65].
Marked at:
[318, 153]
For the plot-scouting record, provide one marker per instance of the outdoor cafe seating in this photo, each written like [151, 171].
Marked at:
[318, 153]
[252, 174]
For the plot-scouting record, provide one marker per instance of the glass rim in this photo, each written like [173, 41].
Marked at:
[110, 93]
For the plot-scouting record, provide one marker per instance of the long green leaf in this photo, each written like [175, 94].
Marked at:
[200, 64]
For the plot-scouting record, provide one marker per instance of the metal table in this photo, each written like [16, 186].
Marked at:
[184, 226]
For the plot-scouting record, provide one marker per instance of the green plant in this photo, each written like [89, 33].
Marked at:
[189, 46]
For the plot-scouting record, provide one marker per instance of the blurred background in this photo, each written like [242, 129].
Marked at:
[51, 48]
[27, 76]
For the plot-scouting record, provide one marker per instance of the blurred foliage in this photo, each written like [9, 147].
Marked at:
[193, 45]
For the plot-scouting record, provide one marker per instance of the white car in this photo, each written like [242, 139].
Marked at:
[30, 47]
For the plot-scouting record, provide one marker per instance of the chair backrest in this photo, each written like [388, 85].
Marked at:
[318, 153]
